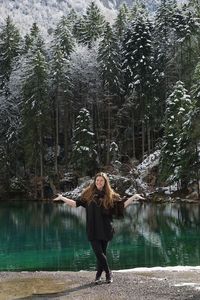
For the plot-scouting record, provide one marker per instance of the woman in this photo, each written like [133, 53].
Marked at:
[101, 203]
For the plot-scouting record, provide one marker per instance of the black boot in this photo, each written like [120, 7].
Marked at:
[98, 277]
[109, 277]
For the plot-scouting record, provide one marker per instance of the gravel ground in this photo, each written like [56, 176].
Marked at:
[134, 285]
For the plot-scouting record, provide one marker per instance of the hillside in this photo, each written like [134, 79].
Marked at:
[46, 13]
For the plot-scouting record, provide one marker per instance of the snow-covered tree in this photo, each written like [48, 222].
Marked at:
[10, 122]
[85, 76]
[128, 119]
[92, 25]
[137, 50]
[114, 152]
[109, 62]
[33, 39]
[177, 153]
[164, 41]
[9, 49]
[109, 58]
[78, 29]
[35, 108]
[60, 89]
[60, 84]
[187, 29]
[176, 43]
[84, 155]
[195, 94]
[164, 21]
[72, 17]
[138, 8]
[10, 44]
[138, 66]
[87, 92]
[195, 90]
[120, 21]
[63, 36]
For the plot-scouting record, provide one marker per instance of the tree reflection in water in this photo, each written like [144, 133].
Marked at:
[49, 236]
[160, 235]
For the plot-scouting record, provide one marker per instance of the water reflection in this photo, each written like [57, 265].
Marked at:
[163, 234]
[49, 236]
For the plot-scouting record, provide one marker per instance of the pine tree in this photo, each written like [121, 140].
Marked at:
[63, 36]
[127, 119]
[60, 94]
[111, 75]
[121, 21]
[10, 43]
[9, 49]
[194, 5]
[33, 39]
[164, 41]
[34, 31]
[27, 43]
[195, 90]
[84, 69]
[87, 87]
[109, 62]
[137, 50]
[63, 45]
[186, 27]
[177, 153]
[92, 25]
[138, 8]
[176, 43]
[72, 16]
[84, 155]
[78, 29]
[195, 94]
[138, 67]
[164, 21]
[9, 138]
[35, 109]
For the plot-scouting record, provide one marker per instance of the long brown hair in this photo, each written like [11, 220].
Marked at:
[110, 194]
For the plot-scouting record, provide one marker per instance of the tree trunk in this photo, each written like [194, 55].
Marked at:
[56, 134]
[41, 163]
[143, 139]
[95, 123]
[148, 138]
[197, 172]
[67, 125]
[133, 136]
[108, 133]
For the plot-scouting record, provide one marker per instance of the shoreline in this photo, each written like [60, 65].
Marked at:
[158, 283]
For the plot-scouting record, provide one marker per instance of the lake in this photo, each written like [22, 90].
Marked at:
[51, 236]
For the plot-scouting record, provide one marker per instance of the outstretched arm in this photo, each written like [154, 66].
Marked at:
[133, 198]
[66, 200]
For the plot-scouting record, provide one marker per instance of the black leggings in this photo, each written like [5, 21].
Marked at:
[99, 247]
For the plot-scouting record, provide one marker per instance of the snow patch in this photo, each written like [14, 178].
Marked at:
[147, 164]
[171, 269]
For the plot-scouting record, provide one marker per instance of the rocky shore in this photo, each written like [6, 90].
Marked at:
[137, 284]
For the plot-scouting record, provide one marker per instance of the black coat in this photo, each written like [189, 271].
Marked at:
[99, 220]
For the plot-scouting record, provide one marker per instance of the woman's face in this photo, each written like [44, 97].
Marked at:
[100, 182]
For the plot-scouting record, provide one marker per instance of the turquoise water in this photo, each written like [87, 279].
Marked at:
[51, 236]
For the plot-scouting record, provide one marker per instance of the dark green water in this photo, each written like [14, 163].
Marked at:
[51, 236]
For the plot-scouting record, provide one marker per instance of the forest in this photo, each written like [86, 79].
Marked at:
[94, 93]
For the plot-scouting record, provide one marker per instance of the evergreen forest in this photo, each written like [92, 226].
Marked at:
[96, 92]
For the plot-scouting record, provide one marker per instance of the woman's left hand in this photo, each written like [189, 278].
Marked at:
[59, 197]
[136, 197]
